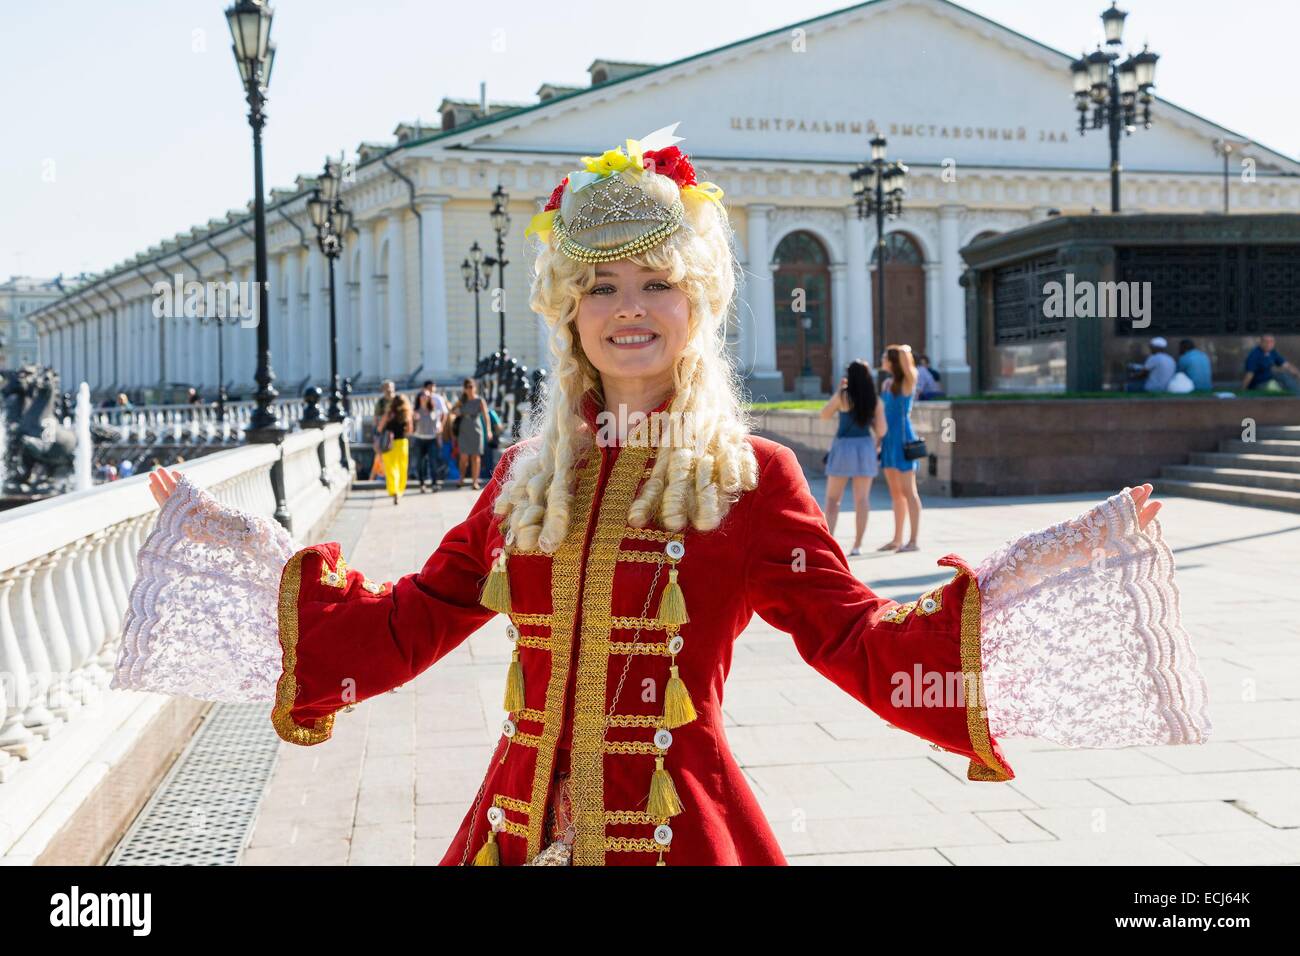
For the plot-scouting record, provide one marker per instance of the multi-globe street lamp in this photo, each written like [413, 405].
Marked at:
[250, 28]
[1113, 90]
[878, 190]
[331, 219]
[501, 225]
[476, 280]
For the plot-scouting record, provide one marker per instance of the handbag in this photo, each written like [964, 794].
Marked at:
[385, 441]
[914, 449]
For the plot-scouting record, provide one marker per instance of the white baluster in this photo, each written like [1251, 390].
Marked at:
[15, 738]
[40, 669]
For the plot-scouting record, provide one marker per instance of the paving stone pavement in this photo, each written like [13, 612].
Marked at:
[838, 785]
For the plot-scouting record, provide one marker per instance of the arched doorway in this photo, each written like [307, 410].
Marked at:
[904, 314]
[802, 282]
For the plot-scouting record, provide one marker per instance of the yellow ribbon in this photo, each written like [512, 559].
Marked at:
[541, 224]
[707, 190]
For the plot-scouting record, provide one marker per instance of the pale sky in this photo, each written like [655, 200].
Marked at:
[124, 123]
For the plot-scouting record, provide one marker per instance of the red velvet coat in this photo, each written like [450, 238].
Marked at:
[347, 639]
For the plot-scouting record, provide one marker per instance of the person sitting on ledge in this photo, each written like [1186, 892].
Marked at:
[1154, 374]
[1260, 365]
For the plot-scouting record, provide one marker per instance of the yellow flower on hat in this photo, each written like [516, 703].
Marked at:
[610, 161]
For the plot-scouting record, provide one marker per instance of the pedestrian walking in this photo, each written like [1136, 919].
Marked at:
[473, 431]
[394, 444]
[899, 443]
[386, 392]
[425, 439]
[855, 448]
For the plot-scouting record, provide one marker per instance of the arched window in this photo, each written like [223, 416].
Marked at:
[802, 284]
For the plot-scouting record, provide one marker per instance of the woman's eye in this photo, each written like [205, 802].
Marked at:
[606, 288]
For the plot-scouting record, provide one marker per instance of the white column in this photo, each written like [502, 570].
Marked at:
[935, 333]
[397, 362]
[367, 328]
[291, 335]
[316, 322]
[433, 307]
[840, 356]
[952, 361]
[276, 333]
[762, 295]
[860, 345]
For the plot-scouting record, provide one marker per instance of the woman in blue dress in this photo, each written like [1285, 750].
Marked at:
[855, 449]
[900, 473]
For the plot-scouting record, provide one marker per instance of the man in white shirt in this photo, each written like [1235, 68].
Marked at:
[1154, 374]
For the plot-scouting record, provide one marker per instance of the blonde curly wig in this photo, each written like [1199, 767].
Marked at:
[698, 471]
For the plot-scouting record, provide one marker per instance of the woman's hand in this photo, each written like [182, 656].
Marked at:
[1146, 508]
[162, 483]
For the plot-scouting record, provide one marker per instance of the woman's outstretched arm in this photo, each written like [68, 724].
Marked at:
[924, 665]
[314, 635]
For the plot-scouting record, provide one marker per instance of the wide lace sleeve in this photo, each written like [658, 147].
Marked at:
[1082, 641]
[202, 617]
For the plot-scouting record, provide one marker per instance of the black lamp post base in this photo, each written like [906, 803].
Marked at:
[272, 434]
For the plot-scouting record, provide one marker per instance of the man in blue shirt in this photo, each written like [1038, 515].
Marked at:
[1195, 364]
[1262, 361]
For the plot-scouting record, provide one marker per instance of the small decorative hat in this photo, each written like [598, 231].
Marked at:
[609, 193]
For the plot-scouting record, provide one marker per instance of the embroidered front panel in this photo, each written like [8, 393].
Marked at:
[590, 707]
[565, 569]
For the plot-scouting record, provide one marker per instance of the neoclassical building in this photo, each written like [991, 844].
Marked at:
[983, 117]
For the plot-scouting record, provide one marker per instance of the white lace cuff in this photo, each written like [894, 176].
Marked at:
[202, 619]
[1081, 638]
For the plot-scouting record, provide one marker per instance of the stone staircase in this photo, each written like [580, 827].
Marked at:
[1264, 473]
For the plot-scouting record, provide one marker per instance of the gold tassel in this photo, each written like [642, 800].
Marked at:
[672, 606]
[490, 854]
[496, 593]
[678, 708]
[514, 684]
[663, 795]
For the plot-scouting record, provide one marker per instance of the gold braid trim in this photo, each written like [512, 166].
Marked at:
[538, 620]
[633, 816]
[590, 695]
[631, 747]
[529, 713]
[514, 829]
[644, 557]
[629, 845]
[510, 803]
[286, 689]
[535, 642]
[627, 647]
[636, 720]
[632, 623]
[527, 740]
[973, 671]
[650, 534]
[564, 605]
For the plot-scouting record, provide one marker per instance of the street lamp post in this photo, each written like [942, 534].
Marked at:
[1114, 90]
[501, 224]
[220, 322]
[878, 190]
[476, 281]
[250, 28]
[332, 219]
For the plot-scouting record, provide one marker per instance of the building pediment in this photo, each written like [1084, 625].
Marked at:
[940, 82]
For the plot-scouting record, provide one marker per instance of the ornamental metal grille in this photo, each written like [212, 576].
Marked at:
[1018, 298]
[1215, 290]
[203, 812]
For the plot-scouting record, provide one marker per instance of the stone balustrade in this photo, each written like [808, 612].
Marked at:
[66, 569]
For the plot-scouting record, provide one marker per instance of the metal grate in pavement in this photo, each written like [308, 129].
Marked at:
[203, 811]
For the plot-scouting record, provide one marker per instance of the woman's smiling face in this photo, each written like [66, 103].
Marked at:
[633, 322]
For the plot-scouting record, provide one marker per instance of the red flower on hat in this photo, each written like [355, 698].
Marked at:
[554, 201]
[671, 162]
